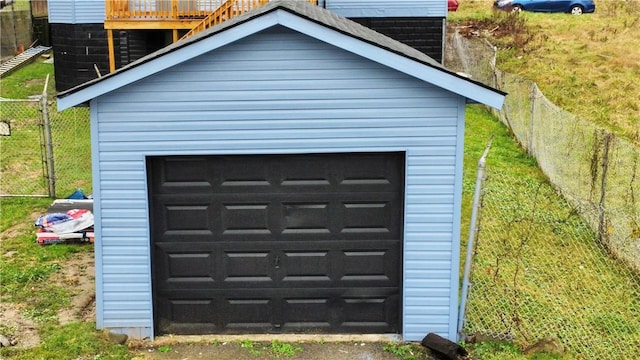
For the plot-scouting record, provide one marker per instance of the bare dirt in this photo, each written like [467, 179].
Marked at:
[24, 331]
[306, 350]
[78, 275]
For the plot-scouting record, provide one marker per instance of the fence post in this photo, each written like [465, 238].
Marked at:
[48, 140]
[534, 93]
[602, 230]
[473, 230]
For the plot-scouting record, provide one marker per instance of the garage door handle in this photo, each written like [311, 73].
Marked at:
[276, 262]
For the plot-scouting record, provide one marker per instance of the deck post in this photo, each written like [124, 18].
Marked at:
[174, 9]
[112, 59]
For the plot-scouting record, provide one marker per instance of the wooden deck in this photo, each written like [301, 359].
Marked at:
[171, 14]
[176, 15]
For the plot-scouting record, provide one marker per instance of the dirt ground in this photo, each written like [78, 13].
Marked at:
[78, 274]
[307, 350]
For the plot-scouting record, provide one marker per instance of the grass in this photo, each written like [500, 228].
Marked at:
[275, 349]
[589, 65]
[73, 341]
[405, 351]
[18, 5]
[28, 81]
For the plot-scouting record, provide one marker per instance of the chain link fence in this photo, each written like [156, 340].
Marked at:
[23, 166]
[44, 152]
[543, 268]
[539, 272]
[71, 142]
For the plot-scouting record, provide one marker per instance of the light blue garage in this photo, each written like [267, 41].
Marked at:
[287, 170]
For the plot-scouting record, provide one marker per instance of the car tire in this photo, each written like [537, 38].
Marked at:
[576, 10]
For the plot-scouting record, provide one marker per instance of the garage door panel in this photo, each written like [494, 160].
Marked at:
[248, 313]
[248, 267]
[256, 218]
[299, 173]
[178, 266]
[282, 264]
[245, 218]
[276, 243]
[180, 174]
[322, 310]
[191, 216]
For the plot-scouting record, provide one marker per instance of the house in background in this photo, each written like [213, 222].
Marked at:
[287, 170]
[85, 32]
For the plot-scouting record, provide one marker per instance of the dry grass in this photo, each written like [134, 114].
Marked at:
[588, 65]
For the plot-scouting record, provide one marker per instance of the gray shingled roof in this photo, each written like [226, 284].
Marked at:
[301, 8]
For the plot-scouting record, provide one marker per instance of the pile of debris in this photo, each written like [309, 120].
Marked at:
[67, 220]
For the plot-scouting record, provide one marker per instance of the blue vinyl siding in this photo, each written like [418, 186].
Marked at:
[386, 8]
[76, 11]
[279, 92]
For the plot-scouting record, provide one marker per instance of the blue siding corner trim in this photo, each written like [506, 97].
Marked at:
[97, 213]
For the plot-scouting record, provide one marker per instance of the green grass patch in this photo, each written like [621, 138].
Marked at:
[405, 351]
[283, 349]
[585, 64]
[73, 341]
[28, 81]
[275, 348]
[17, 211]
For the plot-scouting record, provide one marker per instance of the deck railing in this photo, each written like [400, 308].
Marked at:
[160, 9]
[172, 9]
[227, 10]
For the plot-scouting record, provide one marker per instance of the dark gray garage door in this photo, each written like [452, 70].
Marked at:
[282, 243]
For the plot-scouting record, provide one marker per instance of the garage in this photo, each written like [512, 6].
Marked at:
[286, 171]
[277, 243]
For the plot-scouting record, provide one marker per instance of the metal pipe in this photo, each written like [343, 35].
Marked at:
[48, 141]
[480, 176]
